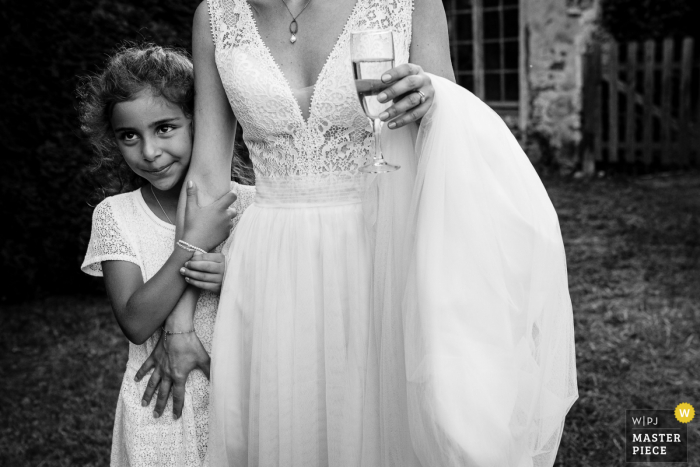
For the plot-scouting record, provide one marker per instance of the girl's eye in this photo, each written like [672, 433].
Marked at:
[165, 129]
[129, 136]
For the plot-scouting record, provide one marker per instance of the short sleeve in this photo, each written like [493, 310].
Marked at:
[108, 241]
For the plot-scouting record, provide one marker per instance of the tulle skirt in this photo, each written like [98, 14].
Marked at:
[292, 382]
[427, 324]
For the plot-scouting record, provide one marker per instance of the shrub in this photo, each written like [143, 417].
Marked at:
[634, 20]
[43, 184]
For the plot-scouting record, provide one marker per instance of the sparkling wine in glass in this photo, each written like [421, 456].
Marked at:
[372, 54]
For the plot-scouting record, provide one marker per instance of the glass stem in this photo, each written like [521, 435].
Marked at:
[377, 127]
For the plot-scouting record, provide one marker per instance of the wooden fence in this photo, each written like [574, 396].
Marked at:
[641, 105]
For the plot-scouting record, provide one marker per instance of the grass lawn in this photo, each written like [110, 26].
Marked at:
[633, 249]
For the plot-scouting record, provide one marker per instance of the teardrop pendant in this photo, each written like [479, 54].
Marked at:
[293, 28]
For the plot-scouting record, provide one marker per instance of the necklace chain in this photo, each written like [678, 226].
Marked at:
[161, 206]
[294, 26]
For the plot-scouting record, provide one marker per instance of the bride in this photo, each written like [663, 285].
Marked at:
[418, 318]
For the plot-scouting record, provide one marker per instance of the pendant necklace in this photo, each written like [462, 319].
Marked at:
[161, 206]
[293, 26]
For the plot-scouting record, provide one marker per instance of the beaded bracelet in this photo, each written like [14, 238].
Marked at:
[189, 247]
[167, 333]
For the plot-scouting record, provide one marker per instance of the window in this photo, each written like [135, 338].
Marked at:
[485, 47]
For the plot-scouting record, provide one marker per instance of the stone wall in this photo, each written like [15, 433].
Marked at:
[557, 33]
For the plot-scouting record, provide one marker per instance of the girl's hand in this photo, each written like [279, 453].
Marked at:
[171, 366]
[205, 271]
[207, 226]
[409, 105]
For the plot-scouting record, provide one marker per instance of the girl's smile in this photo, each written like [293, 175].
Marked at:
[155, 138]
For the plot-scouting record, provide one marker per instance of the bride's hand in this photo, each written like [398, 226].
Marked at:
[412, 92]
[172, 366]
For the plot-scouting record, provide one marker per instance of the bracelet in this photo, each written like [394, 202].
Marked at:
[167, 333]
[189, 247]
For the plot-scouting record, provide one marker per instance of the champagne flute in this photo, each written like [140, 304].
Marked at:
[372, 54]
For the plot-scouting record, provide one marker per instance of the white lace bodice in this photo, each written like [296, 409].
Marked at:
[335, 140]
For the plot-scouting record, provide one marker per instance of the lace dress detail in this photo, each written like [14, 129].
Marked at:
[336, 138]
[125, 229]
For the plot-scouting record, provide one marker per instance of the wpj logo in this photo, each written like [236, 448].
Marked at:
[657, 435]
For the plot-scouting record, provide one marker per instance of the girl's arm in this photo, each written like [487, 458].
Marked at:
[141, 308]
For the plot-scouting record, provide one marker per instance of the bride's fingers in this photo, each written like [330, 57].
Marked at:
[416, 113]
[401, 71]
[408, 102]
[404, 86]
[200, 276]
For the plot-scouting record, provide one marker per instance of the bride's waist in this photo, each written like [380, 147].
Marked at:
[317, 190]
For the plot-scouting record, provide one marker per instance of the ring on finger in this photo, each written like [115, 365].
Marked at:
[422, 96]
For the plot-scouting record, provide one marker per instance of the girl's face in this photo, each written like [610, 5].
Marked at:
[155, 138]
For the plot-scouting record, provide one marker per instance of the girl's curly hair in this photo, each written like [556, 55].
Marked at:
[165, 72]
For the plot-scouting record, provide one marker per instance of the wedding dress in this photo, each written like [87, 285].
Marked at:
[349, 333]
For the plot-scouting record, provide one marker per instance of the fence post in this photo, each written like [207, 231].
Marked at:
[592, 103]
[684, 128]
[613, 76]
[666, 90]
[649, 67]
[631, 114]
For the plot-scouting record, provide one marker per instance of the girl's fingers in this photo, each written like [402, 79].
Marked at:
[163, 393]
[226, 200]
[209, 257]
[147, 366]
[178, 398]
[202, 276]
[408, 102]
[151, 388]
[412, 115]
[209, 286]
[204, 266]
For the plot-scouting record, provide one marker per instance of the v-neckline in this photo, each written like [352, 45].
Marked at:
[321, 73]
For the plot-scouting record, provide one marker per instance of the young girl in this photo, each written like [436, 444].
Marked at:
[137, 113]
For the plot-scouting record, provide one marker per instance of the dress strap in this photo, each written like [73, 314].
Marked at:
[215, 16]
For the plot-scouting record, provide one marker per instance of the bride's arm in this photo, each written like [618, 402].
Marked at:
[409, 85]
[214, 122]
[430, 44]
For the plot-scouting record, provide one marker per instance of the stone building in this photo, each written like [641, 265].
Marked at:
[524, 58]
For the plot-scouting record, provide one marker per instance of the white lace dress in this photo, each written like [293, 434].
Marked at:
[125, 229]
[421, 318]
[294, 373]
